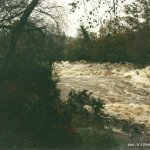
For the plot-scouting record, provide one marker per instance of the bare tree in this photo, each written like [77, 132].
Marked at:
[15, 14]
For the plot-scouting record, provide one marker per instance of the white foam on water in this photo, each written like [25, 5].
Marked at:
[124, 88]
[135, 112]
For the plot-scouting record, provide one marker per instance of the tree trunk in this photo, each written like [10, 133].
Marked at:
[17, 32]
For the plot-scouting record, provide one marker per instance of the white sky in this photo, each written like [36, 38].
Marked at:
[73, 21]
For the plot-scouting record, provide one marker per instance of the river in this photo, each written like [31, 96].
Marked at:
[124, 88]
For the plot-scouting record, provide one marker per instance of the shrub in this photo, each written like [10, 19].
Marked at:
[79, 101]
[31, 112]
[86, 114]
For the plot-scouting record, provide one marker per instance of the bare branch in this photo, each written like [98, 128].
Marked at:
[9, 18]
[47, 14]
[35, 29]
[6, 27]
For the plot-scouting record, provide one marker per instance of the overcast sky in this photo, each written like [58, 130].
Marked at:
[73, 21]
[74, 18]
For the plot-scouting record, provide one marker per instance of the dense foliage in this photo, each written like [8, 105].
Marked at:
[120, 39]
[130, 46]
[32, 116]
[31, 112]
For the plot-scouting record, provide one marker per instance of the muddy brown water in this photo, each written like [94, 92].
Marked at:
[125, 89]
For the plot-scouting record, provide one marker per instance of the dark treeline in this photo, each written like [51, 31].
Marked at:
[34, 46]
[31, 112]
[32, 115]
[119, 39]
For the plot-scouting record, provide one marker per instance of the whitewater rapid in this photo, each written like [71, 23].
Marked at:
[124, 88]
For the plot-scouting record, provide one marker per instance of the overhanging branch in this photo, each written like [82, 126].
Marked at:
[35, 29]
[6, 27]
[47, 14]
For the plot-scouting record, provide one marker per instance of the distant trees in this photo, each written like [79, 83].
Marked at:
[138, 14]
[145, 4]
[133, 15]
[137, 17]
[81, 47]
[121, 37]
[31, 113]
